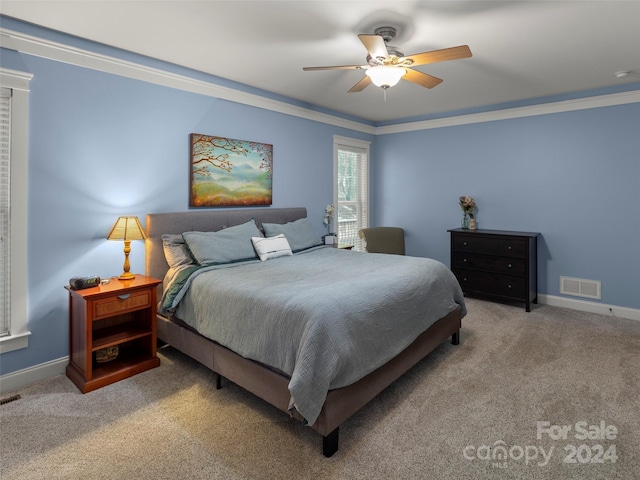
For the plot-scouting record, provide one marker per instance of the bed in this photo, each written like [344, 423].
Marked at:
[298, 363]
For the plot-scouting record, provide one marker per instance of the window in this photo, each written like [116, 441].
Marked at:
[5, 264]
[14, 109]
[351, 195]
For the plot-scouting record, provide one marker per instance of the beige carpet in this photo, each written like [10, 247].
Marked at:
[510, 371]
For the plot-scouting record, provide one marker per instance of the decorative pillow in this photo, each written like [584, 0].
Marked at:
[271, 247]
[231, 244]
[176, 251]
[299, 233]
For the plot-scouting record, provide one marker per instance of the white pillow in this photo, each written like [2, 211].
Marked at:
[271, 247]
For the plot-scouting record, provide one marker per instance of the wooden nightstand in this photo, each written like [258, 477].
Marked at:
[121, 313]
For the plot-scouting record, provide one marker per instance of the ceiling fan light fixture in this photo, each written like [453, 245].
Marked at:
[385, 76]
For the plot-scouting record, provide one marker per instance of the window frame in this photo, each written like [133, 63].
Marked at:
[18, 82]
[355, 144]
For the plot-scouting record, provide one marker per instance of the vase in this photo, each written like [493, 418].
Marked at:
[465, 221]
[472, 223]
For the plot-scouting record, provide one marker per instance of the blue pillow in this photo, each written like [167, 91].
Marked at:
[231, 244]
[299, 233]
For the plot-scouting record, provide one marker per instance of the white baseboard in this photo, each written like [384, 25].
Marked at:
[591, 307]
[22, 378]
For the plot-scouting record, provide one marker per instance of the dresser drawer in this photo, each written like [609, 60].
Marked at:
[488, 283]
[506, 246]
[496, 264]
[117, 304]
[509, 265]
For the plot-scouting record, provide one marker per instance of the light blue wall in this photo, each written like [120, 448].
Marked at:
[574, 177]
[101, 146]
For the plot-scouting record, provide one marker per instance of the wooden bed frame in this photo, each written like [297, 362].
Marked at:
[262, 381]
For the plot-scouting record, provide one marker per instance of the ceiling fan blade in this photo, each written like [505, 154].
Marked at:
[336, 67]
[361, 85]
[421, 79]
[443, 55]
[375, 45]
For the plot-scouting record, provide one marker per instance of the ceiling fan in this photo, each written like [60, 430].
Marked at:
[386, 65]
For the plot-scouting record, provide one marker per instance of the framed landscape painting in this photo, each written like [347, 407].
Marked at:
[229, 173]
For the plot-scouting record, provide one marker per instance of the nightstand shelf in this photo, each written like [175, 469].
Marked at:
[120, 313]
[129, 362]
[108, 337]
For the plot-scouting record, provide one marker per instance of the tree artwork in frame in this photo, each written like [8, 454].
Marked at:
[229, 173]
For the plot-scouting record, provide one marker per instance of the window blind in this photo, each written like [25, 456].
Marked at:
[5, 157]
[353, 194]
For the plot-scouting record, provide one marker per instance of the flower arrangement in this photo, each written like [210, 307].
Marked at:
[328, 215]
[468, 205]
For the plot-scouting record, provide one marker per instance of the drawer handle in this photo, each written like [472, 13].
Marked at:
[464, 279]
[510, 266]
[509, 286]
[464, 260]
[124, 296]
[509, 247]
[464, 243]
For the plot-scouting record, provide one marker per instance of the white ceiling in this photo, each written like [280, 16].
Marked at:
[521, 49]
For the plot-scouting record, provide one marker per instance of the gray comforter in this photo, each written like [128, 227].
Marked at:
[326, 316]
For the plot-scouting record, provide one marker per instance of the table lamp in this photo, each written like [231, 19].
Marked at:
[127, 229]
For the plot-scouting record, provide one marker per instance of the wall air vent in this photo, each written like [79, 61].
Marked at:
[580, 287]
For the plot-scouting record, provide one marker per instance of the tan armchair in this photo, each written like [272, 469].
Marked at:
[383, 239]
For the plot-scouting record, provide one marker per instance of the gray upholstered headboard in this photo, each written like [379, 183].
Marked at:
[157, 224]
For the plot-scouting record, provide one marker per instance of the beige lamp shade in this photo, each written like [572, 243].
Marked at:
[127, 229]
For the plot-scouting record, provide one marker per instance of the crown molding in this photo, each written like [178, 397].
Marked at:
[59, 52]
[517, 112]
[40, 47]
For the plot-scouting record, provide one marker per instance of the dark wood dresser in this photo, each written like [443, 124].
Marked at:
[496, 264]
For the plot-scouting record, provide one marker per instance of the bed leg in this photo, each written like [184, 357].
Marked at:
[218, 381]
[330, 443]
[455, 338]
